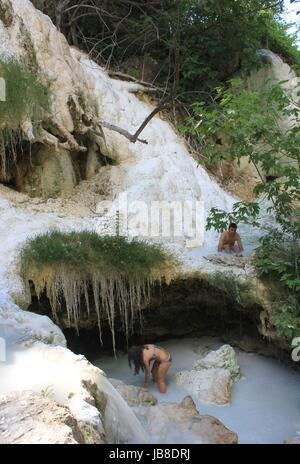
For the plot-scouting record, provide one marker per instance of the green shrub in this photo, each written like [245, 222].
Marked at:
[287, 317]
[277, 259]
[280, 41]
[239, 290]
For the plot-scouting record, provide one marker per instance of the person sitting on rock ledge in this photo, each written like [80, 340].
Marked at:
[141, 356]
[228, 239]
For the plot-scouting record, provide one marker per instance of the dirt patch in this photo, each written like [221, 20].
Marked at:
[6, 13]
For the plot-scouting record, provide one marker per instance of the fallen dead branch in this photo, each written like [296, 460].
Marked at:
[134, 137]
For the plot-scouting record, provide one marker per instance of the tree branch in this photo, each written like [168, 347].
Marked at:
[134, 137]
[125, 133]
[71, 142]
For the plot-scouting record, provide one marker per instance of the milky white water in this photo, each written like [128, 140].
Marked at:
[265, 405]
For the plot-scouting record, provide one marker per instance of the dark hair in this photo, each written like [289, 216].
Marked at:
[233, 225]
[135, 356]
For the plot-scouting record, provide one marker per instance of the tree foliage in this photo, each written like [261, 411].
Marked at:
[277, 259]
[197, 44]
[251, 123]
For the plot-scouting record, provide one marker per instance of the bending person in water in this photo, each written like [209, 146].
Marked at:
[228, 239]
[141, 356]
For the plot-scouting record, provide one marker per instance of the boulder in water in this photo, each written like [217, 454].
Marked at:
[211, 385]
[182, 423]
[224, 358]
[212, 376]
[292, 441]
[212, 430]
[134, 396]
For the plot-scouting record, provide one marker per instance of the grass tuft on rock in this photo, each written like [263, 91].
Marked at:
[26, 97]
[118, 273]
[26, 100]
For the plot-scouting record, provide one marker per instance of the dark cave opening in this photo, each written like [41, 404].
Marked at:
[22, 163]
[187, 307]
[18, 155]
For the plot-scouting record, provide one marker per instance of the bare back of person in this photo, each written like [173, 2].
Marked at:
[162, 362]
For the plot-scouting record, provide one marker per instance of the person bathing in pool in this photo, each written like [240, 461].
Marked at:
[230, 241]
[142, 356]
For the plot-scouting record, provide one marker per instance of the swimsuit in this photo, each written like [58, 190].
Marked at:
[154, 356]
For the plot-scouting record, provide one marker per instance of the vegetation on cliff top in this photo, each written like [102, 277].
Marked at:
[197, 44]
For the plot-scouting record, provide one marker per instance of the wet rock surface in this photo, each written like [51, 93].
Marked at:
[224, 358]
[30, 418]
[134, 396]
[183, 419]
[212, 376]
[210, 385]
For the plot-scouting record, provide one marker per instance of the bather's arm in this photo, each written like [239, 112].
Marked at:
[240, 245]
